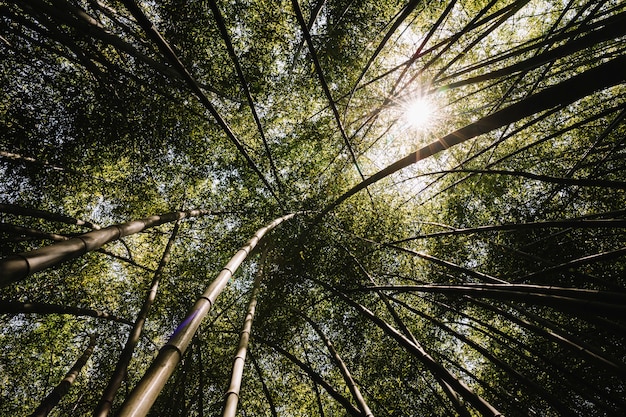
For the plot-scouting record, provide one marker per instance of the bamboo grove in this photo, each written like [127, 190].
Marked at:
[230, 208]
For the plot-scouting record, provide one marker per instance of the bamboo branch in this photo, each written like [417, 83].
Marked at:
[581, 301]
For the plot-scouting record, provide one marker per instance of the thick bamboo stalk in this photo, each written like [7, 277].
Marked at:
[17, 267]
[142, 397]
[106, 401]
[63, 387]
[232, 395]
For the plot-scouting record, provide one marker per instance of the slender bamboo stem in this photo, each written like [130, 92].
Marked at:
[106, 401]
[64, 386]
[232, 395]
[44, 308]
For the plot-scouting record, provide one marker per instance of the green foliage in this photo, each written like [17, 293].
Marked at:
[98, 124]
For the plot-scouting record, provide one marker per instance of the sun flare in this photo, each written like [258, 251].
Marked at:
[418, 112]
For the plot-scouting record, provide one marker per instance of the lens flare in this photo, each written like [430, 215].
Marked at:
[418, 112]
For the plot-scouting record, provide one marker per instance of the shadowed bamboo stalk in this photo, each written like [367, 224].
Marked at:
[345, 372]
[142, 397]
[17, 267]
[175, 61]
[105, 403]
[580, 301]
[42, 214]
[232, 395]
[452, 395]
[436, 368]
[316, 378]
[64, 386]
[266, 391]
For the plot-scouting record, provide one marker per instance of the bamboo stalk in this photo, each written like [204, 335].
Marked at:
[603, 76]
[106, 401]
[17, 267]
[142, 397]
[232, 395]
[64, 386]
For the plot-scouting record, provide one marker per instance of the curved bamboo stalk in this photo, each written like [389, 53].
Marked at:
[64, 386]
[17, 267]
[232, 394]
[580, 182]
[266, 391]
[531, 384]
[614, 27]
[549, 331]
[452, 395]
[142, 397]
[569, 265]
[46, 215]
[28, 233]
[441, 262]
